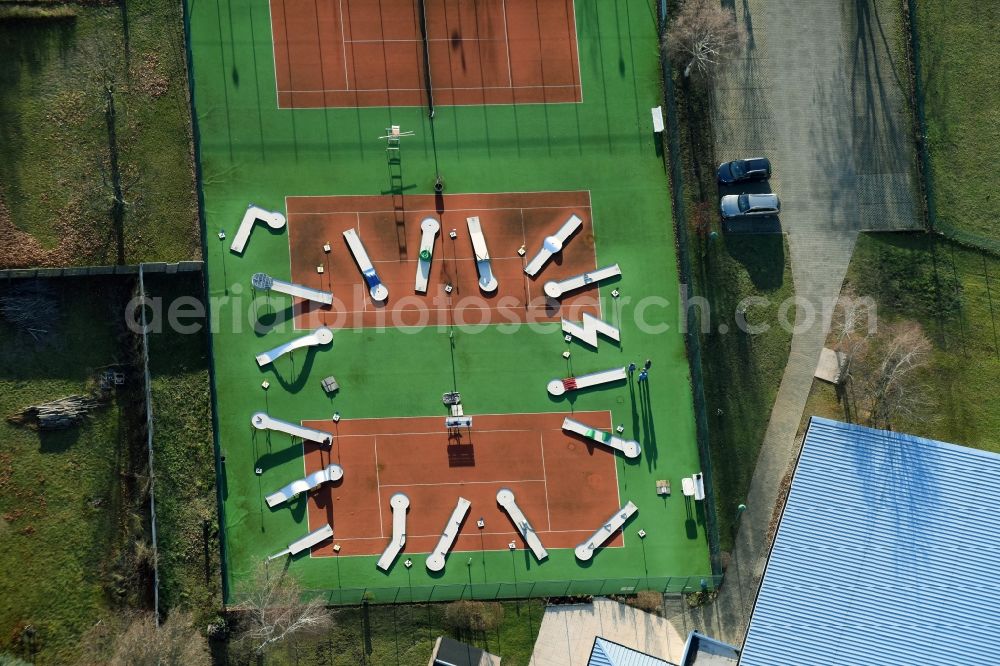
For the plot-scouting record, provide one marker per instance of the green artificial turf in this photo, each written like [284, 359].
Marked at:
[60, 512]
[55, 178]
[252, 152]
[959, 57]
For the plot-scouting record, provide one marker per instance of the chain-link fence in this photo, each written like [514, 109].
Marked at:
[518, 590]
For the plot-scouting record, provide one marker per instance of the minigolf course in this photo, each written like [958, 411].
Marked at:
[317, 536]
[505, 498]
[379, 292]
[328, 474]
[429, 228]
[262, 421]
[399, 504]
[253, 214]
[586, 550]
[435, 561]
[552, 245]
[265, 282]
[630, 448]
[549, 151]
[321, 336]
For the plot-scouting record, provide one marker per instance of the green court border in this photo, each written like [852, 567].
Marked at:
[249, 150]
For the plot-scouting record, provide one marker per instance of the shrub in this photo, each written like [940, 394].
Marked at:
[650, 601]
[473, 615]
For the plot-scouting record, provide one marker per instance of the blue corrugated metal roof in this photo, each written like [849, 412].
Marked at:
[609, 653]
[888, 552]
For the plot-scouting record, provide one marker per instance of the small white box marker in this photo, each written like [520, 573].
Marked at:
[222, 235]
[480, 523]
[615, 293]
[265, 384]
[642, 534]
[448, 288]
[336, 417]
[512, 545]
[453, 234]
[408, 563]
[620, 429]
[326, 248]
[568, 338]
[258, 470]
[565, 354]
[521, 251]
[336, 547]
[319, 269]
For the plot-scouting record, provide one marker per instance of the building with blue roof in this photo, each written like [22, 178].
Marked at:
[888, 552]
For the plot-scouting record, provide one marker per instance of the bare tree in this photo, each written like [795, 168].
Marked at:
[273, 609]
[703, 35]
[878, 366]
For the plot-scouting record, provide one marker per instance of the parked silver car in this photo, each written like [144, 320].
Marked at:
[743, 205]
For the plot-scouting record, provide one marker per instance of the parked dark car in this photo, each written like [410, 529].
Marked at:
[740, 171]
[744, 205]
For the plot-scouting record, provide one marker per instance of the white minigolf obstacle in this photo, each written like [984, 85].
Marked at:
[399, 504]
[435, 561]
[586, 550]
[379, 292]
[308, 541]
[264, 282]
[273, 219]
[556, 288]
[327, 474]
[262, 421]
[321, 336]
[553, 244]
[505, 498]
[429, 229]
[487, 281]
[588, 330]
[558, 387]
[629, 448]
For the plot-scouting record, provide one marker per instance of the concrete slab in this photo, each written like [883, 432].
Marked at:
[567, 633]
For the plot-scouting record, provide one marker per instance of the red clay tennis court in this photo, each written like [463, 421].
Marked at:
[359, 53]
[566, 486]
[392, 239]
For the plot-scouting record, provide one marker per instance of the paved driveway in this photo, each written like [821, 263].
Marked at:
[820, 91]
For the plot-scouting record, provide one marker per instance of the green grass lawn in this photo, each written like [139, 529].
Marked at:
[742, 371]
[943, 286]
[252, 151]
[184, 457]
[55, 179]
[404, 636]
[61, 519]
[959, 58]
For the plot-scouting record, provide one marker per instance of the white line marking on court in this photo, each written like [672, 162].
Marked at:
[457, 483]
[541, 446]
[378, 486]
[343, 42]
[506, 42]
